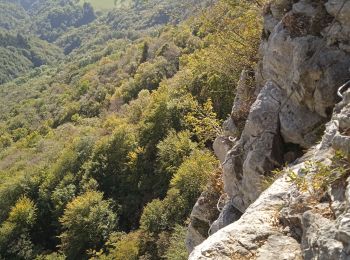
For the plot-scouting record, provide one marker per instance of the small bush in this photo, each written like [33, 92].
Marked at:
[315, 177]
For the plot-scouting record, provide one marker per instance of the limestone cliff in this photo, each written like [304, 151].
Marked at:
[305, 58]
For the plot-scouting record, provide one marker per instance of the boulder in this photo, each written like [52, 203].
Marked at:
[221, 146]
[228, 215]
[254, 233]
[203, 214]
[299, 125]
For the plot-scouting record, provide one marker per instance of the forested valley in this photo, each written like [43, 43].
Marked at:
[107, 120]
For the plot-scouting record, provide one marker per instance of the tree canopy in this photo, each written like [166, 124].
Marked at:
[107, 121]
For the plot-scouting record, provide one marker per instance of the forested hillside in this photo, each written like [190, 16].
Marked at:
[107, 121]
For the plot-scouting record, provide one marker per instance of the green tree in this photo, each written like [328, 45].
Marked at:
[153, 217]
[203, 123]
[122, 246]
[172, 151]
[15, 231]
[148, 76]
[193, 176]
[109, 160]
[87, 223]
[177, 248]
[186, 185]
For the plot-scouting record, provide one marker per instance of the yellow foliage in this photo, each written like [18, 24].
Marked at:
[203, 123]
[23, 213]
[127, 247]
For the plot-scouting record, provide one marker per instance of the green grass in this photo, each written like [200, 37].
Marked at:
[106, 4]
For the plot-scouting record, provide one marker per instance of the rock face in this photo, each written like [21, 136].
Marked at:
[324, 237]
[319, 239]
[202, 216]
[305, 59]
[252, 236]
[258, 150]
[283, 224]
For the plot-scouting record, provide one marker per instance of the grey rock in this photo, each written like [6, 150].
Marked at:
[279, 8]
[257, 152]
[347, 193]
[344, 118]
[305, 7]
[301, 62]
[299, 125]
[343, 226]
[202, 216]
[228, 215]
[319, 239]
[193, 238]
[253, 233]
[307, 64]
[327, 238]
[339, 32]
[221, 146]
[270, 22]
[279, 247]
[331, 131]
[229, 128]
[342, 143]
[244, 94]
[291, 219]
[340, 125]
[338, 198]
[313, 79]
[244, 97]
[334, 6]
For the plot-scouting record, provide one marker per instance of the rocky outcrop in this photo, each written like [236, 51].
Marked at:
[252, 236]
[258, 150]
[302, 76]
[202, 216]
[283, 223]
[305, 59]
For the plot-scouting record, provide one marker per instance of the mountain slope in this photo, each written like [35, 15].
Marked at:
[21, 54]
[116, 135]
